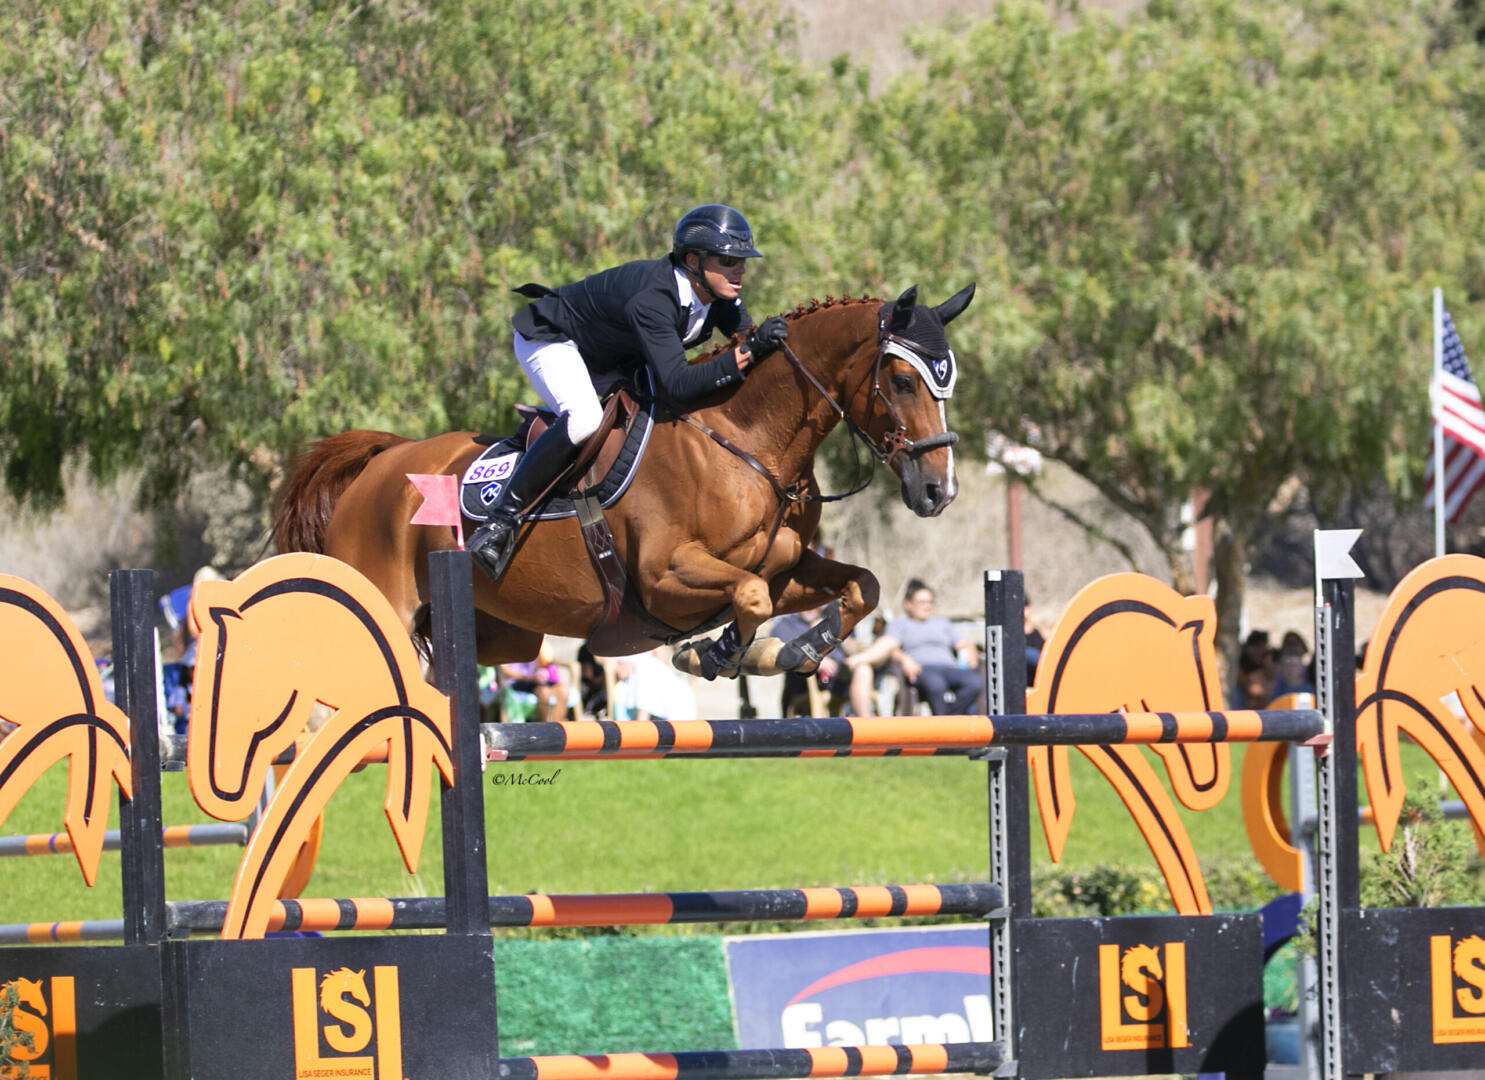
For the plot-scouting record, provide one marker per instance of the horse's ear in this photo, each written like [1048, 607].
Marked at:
[950, 308]
[902, 309]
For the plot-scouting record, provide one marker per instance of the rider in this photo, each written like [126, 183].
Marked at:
[639, 314]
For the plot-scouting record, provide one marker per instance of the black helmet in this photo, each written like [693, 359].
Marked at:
[715, 229]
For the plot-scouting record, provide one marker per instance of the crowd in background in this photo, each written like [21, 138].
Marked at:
[1266, 673]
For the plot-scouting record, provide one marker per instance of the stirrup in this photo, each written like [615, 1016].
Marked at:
[492, 549]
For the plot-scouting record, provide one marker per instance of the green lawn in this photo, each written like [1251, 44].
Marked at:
[620, 826]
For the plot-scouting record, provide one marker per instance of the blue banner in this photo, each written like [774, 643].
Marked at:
[861, 988]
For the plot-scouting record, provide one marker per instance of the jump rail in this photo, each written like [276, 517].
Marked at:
[878, 735]
[761, 1064]
[619, 909]
[172, 836]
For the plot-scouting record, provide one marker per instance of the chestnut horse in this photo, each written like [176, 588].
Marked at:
[715, 525]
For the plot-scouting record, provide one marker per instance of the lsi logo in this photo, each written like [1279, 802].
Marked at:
[1457, 971]
[335, 1049]
[52, 1026]
[1142, 997]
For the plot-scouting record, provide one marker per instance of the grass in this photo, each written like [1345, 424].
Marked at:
[647, 826]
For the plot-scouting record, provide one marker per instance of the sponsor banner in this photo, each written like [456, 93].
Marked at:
[866, 987]
[1414, 988]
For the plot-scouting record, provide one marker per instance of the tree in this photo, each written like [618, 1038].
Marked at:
[1206, 239]
[231, 228]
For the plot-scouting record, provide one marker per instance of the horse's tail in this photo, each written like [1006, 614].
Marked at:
[318, 478]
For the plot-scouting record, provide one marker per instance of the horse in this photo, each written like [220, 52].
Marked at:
[716, 523]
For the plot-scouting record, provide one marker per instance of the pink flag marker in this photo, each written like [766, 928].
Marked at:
[440, 502]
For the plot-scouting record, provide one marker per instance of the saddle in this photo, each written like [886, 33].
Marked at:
[605, 466]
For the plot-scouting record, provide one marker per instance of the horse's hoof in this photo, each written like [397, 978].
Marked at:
[713, 665]
[805, 652]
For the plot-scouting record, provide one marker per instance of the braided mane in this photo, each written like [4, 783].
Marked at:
[809, 308]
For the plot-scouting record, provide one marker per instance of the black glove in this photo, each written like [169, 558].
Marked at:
[768, 337]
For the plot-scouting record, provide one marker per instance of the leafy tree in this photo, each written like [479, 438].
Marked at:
[234, 227]
[1206, 239]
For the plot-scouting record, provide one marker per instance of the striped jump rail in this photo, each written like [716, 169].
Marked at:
[622, 909]
[868, 736]
[761, 1064]
[173, 754]
[173, 836]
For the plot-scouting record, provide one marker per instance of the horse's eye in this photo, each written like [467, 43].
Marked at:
[903, 384]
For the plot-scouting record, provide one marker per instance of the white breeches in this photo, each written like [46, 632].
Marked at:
[558, 374]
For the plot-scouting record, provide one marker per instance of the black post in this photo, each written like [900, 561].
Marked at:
[456, 673]
[1340, 598]
[141, 849]
[1007, 801]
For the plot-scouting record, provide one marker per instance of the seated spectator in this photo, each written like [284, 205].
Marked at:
[1293, 674]
[924, 646]
[832, 675]
[592, 686]
[1255, 671]
[647, 687]
[535, 690]
[1035, 642]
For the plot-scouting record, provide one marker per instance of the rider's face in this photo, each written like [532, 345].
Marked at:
[723, 275]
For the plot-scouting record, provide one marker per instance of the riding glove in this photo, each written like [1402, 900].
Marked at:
[768, 337]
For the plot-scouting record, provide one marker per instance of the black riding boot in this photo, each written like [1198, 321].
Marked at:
[494, 542]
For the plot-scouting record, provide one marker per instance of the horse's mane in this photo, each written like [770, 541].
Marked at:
[810, 307]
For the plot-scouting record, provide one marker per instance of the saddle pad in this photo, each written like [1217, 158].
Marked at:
[485, 478]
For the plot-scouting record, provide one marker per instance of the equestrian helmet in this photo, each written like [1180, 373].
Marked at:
[715, 229]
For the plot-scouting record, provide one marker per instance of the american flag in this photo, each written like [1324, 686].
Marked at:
[1456, 408]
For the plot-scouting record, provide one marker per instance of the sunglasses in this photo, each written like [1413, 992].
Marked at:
[729, 261]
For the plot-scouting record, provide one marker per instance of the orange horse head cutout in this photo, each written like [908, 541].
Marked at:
[286, 641]
[1130, 643]
[52, 706]
[1428, 650]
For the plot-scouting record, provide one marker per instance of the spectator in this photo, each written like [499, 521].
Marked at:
[647, 687]
[592, 686]
[1255, 674]
[177, 678]
[1293, 674]
[534, 690]
[1035, 642]
[832, 674]
[924, 647]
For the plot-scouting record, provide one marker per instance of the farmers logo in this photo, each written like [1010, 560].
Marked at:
[1142, 997]
[338, 1048]
[836, 1009]
[1457, 972]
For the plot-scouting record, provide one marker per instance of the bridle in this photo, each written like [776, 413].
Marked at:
[892, 444]
[895, 441]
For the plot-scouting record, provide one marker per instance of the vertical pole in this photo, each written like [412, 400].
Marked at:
[1302, 817]
[1201, 553]
[456, 673]
[1337, 877]
[1009, 811]
[1435, 385]
[1015, 493]
[141, 850]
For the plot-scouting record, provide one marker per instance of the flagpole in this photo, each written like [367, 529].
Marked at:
[1435, 385]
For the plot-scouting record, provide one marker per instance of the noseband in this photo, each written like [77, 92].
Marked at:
[895, 441]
